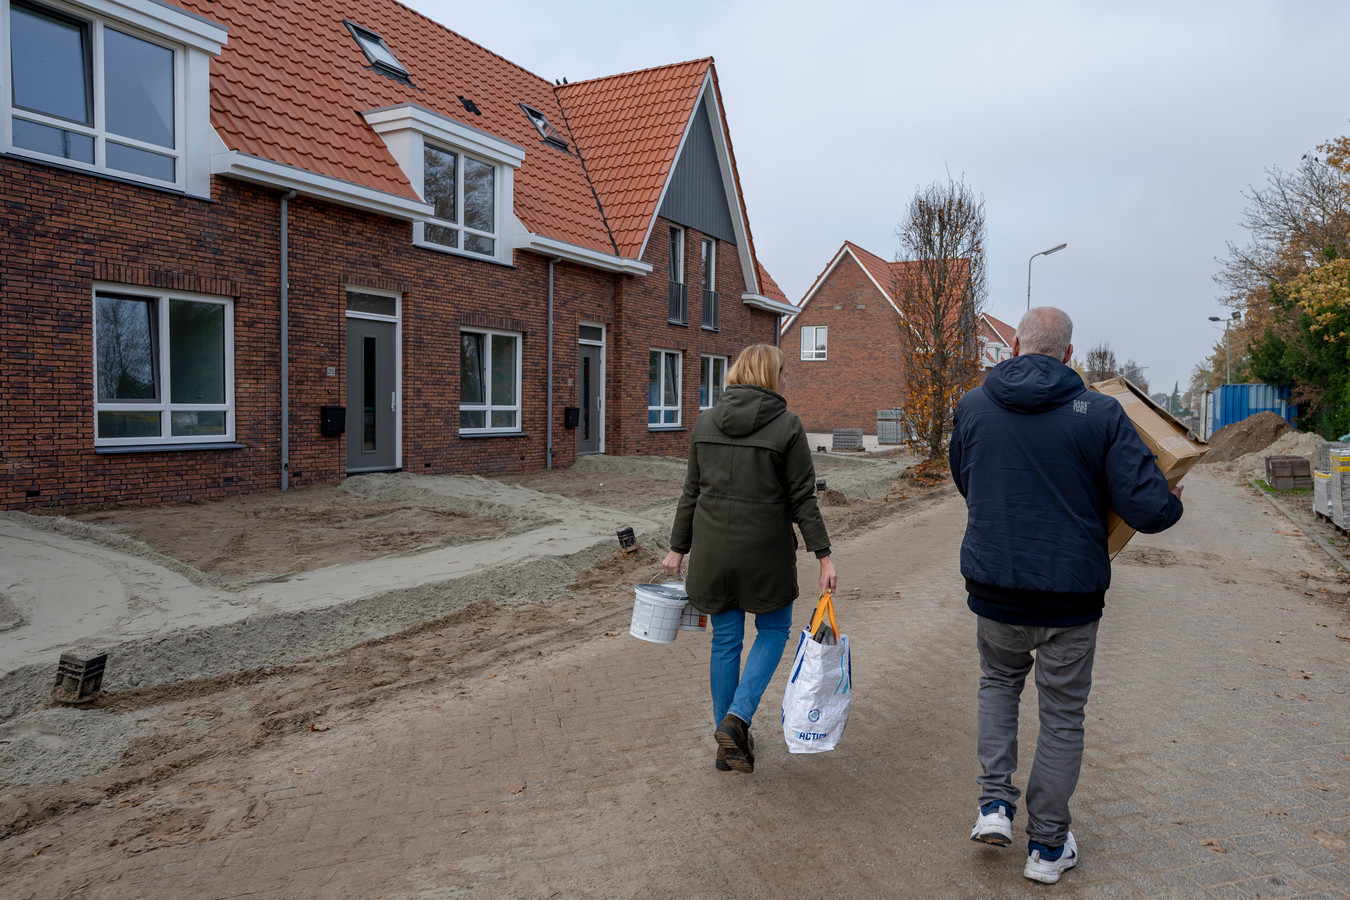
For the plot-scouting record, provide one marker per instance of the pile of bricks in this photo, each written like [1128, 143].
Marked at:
[1331, 489]
[1285, 473]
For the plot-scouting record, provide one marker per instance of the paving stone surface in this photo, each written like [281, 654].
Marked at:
[1217, 762]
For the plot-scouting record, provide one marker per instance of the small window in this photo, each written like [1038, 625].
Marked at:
[489, 382]
[378, 52]
[463, 192]
[712, 381]
[813, 342]
[591, 334]
[163, 368]
[710, 284]
[663, 388]
[541, 125]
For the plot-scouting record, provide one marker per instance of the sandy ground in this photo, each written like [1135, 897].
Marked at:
[112, 755]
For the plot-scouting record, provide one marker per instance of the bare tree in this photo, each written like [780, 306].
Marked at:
[940, 289]
[1134, 373]
[1100, 363]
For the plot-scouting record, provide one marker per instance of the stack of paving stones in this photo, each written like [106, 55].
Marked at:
[1338, 487]
[847, 439]
[1285, 473]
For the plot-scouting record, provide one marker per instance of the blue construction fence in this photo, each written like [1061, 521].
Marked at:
[1229, 403]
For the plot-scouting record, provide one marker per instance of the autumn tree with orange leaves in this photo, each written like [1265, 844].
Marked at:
[940, 289]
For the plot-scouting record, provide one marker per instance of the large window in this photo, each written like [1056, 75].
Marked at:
[489, 381]
[679, 291]
[709, 283]
[663, 388]
[712, 381]
[96, 95]
[463, 191]
[813, 342]
[163, 366]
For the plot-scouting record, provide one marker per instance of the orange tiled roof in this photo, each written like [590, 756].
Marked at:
[629, 128]
[767, 286]
[1003, 332]
[291, 83]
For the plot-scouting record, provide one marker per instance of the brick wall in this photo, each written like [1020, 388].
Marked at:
[863, 369]
[642, 323]
[68, 230]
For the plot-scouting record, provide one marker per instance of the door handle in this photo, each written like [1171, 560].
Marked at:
[393, 399]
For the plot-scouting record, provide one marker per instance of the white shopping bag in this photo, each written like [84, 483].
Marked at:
[820, 685]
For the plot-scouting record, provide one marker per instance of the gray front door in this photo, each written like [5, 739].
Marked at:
[589, 390]
[372, 400]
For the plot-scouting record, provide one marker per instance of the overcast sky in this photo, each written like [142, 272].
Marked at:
[1128, 130]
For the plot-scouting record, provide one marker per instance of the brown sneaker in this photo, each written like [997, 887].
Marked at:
[733, 736]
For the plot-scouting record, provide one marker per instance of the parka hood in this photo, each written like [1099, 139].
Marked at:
[1032, 384]
[746, 408]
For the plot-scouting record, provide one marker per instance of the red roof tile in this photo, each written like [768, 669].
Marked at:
[629, 128]
[291, 83]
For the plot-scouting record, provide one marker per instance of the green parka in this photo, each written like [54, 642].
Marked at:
[750, 477]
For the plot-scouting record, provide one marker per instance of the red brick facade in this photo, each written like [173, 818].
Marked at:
[67, 231]
[863, 369]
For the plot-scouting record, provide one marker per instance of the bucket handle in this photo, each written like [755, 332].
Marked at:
[661, 573]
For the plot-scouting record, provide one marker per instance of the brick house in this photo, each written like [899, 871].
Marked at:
[251, 245]
[845, 357]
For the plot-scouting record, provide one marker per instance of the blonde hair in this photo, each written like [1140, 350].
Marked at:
[758, 364]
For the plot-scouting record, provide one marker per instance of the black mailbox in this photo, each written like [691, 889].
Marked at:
[333, 419]
[571, 416]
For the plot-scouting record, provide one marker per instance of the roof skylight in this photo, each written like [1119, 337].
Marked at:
[378, 52]
[541, 125]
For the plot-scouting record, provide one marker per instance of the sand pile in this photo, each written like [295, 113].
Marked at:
[1292, 443]
[1251, 435]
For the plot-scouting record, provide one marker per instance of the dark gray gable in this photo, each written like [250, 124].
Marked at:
[696, 196]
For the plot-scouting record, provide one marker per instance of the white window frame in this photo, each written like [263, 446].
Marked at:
[488, 407]
[193, 41]
[676, 249]
[706, 364]
[162, 405]
[462, 230]
[660, 409]
[812, 353]
[407, 129]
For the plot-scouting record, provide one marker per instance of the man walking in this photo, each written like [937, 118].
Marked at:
[1039, 459]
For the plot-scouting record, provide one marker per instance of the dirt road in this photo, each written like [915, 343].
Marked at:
[538, 750]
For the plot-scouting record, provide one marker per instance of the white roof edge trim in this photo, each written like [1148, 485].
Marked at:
[885, 293]
[768, 304]
[546, 246]
[165, 20]
[738, 224]
[234, 164]
[410, 116]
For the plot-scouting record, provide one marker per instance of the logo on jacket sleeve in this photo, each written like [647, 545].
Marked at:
[1080, 406]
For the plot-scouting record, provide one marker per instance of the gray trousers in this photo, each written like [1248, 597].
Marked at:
[1063, 660]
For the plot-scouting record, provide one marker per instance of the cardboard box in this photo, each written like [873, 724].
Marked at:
[1175, 448]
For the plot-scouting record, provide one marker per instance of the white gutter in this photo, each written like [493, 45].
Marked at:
[768, 304]
[234, 164]
[537, 243]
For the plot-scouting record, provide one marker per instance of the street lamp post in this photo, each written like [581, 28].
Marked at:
[1227, 354]
[1033, 256]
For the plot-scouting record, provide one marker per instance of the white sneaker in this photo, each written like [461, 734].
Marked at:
[994, 826]
[1048, 871]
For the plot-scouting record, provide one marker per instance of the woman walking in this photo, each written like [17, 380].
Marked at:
[750, 478]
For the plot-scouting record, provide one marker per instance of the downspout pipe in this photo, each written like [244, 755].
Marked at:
[548, 441]
[285, 345]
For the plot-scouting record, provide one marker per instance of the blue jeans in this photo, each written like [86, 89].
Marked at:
[734, 691]
[1063, 660]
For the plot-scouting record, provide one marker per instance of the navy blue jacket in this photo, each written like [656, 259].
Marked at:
[1039, 458]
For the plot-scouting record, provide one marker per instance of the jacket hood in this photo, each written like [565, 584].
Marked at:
[1032, 384]
[746, 408]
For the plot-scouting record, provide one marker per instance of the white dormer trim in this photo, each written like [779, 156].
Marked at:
[405, 130]
[729, 184]
[169, 22]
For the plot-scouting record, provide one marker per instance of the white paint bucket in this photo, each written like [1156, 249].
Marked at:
[657, 611]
